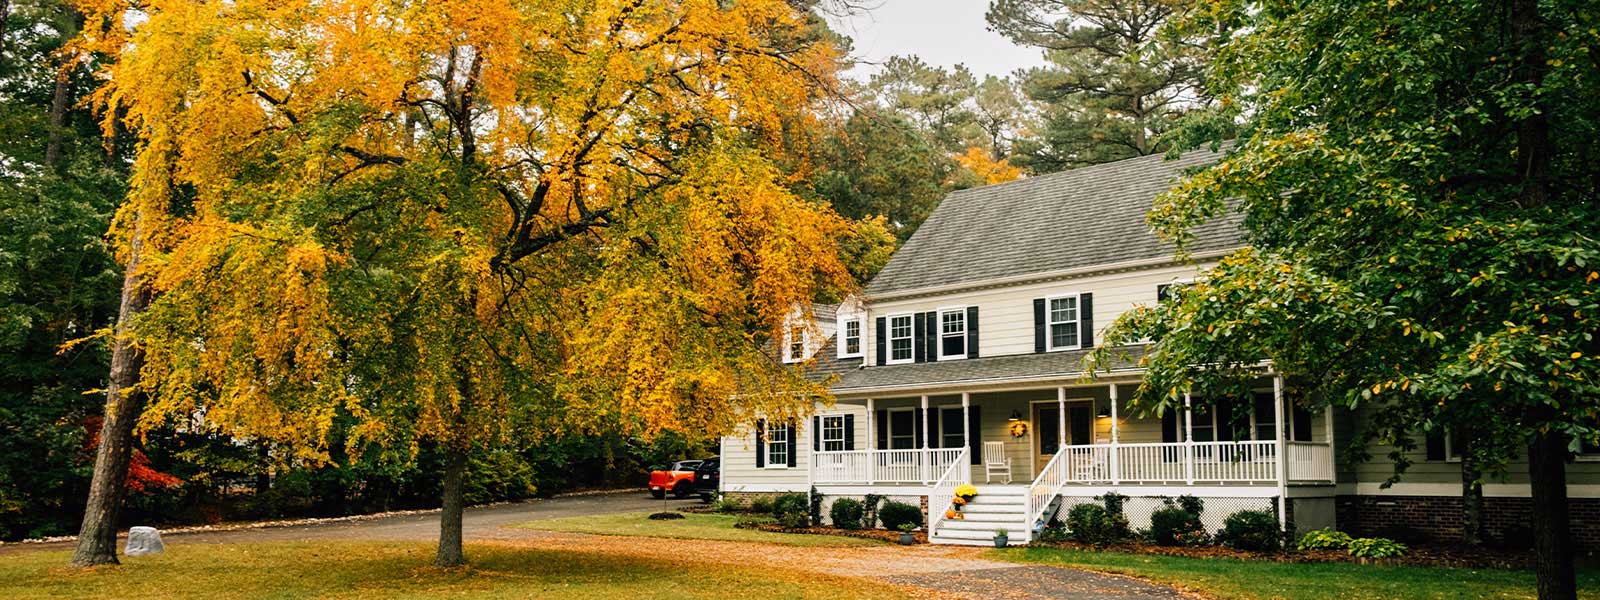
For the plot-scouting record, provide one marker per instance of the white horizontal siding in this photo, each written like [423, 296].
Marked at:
[739, 469]
[1005, 315]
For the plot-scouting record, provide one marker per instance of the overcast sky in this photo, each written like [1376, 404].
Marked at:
[942, 32]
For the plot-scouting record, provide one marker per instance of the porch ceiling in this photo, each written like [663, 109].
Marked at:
[978, 372]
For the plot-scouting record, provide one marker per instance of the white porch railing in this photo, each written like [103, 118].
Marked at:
[1310, 461]
[884, 466]
[959, 471]
[1046, 487]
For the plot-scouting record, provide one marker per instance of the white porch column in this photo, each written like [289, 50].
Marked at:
[1116, 472]
[1188, 440]
[1061, 418]
[872, 443]
[1280, 455]
[966, 430]
[966, 421]
[926, 458]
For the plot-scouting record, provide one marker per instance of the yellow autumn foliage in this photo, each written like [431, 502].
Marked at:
[467, 221]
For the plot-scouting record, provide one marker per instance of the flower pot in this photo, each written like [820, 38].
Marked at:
[1000, 541]
[906, 539]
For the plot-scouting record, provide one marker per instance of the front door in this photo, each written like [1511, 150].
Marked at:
[1048, 437]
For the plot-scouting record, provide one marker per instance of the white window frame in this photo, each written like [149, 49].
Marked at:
[888, 427]
[1050, 322]
[910, 338]
[789, 344]
[960, 311]
[787, 443]
[844, 338]
[833, 432]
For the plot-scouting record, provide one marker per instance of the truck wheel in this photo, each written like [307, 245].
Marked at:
[682, 491]
[658, 494]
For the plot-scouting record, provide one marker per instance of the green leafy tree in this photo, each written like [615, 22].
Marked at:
[1118, 76]
[936, 100]
[876, 163]
[1418, 185]
[58, 187]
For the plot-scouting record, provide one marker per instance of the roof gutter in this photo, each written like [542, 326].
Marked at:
[1046, 276]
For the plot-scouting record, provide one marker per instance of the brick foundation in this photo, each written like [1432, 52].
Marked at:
[1439, 518]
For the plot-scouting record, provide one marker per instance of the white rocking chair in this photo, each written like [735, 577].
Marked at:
[995, 461]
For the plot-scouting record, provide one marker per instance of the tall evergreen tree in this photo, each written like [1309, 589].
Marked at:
[1118, 76]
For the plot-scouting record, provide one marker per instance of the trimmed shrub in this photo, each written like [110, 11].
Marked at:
[761, 505]
[792, 510]
[1251, 530]
[846, 513]
[1093, 524]
[1194, 505]
[1166, 524]
[893, 514]
[1112, 502]
[1324, 539]
[1376, 548]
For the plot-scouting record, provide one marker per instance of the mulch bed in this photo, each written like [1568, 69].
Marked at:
[871, 534]
[1420, 556]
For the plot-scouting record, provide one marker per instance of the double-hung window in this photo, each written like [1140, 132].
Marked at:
[900, 332]
[902, 432]
[796, 350]
[1062, 318]
[953, 333]
[833, 433]
[850, 338]
[952, 429]
[778, 445]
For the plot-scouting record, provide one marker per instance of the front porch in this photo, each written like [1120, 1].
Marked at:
[1057, 445]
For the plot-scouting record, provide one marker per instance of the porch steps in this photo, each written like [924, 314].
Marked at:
[995, 507]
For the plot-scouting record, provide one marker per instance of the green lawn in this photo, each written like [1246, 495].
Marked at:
[1233, 578]
[400, 570]
[693, 526]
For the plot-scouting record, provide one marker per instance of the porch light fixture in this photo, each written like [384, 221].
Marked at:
[1016, 415]
[1102, 412]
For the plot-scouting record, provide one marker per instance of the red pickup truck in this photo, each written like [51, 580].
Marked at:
[679, 479]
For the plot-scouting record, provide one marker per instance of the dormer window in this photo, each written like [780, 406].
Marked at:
[795, 351]
[850, 338]
[952, 333]
[1063, 322]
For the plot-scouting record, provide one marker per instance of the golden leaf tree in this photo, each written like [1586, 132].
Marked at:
[457, 224]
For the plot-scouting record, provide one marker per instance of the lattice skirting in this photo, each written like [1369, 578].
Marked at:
[1138, 508]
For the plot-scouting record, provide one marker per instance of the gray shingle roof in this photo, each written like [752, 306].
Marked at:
[1080, 218]
[990, 369]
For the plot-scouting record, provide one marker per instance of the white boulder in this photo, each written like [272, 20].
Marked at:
[144, 540]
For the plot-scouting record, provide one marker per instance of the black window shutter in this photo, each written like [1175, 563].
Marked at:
[1225, 432]
[1169, 427]
[849, 432]
[975, 434]
[816, 433]
[882, 340]
[932, 335]
[972, 332]
[1086, 320]
[881, 423]
[935, 427]
[794, 449]
[916, 429]
[1436, 445]
[1302, 422]
[761, 443]
[918, 331]
[1038, 325]
[1081, 420]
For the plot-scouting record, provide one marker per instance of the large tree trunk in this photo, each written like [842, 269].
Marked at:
[97, 538]
[60, 100]
[455, 470]
[1552, 542]
[1471, 491]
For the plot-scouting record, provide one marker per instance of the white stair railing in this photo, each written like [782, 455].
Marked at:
[1045, 488]
[944, 490]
